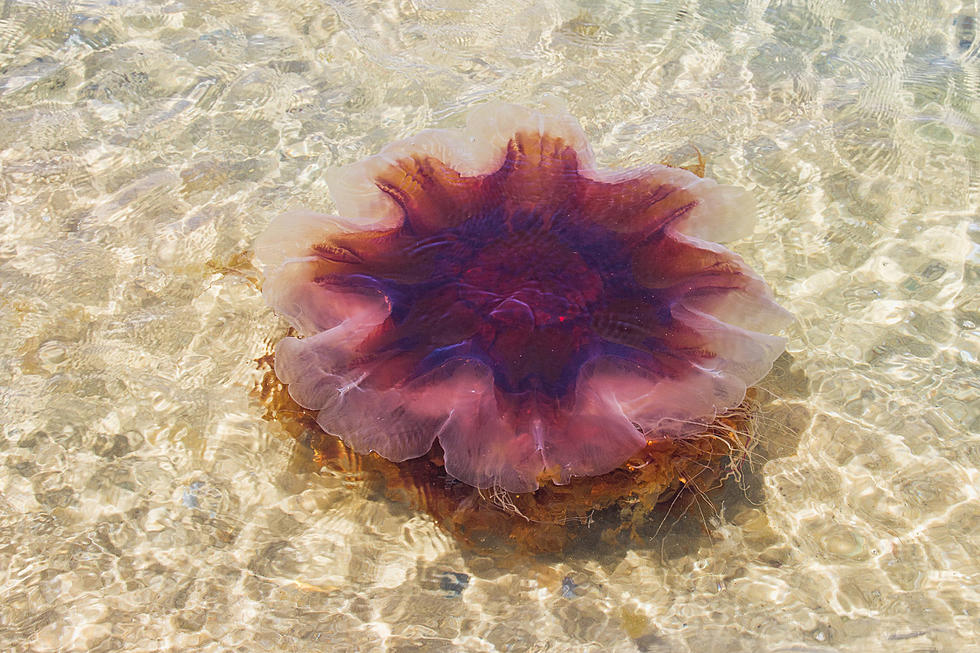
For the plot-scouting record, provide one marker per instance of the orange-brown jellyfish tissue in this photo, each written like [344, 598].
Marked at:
[492, 289]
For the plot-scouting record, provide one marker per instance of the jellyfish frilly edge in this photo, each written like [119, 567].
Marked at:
[493, 289]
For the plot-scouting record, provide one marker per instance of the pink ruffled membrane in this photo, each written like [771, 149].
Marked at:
[493, 289]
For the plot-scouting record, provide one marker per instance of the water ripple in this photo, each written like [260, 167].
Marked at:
[145, 502]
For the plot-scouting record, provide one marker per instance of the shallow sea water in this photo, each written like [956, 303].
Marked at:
[146, 505]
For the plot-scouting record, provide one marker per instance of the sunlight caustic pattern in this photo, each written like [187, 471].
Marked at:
[494, 289]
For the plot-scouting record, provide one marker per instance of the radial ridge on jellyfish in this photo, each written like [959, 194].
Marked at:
[491, 288]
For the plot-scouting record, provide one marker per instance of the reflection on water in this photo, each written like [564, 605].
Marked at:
[145, 503]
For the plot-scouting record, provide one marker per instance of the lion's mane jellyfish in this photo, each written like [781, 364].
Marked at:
[491, 292]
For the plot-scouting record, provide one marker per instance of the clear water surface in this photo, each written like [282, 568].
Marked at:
[146, 505]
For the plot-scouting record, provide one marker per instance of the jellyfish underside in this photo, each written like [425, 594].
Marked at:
[636, 501]
[538, 318]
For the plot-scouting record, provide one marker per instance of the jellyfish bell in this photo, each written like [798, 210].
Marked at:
[493, 290]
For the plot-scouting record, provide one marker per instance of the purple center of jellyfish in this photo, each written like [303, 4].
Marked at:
[533, 289]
